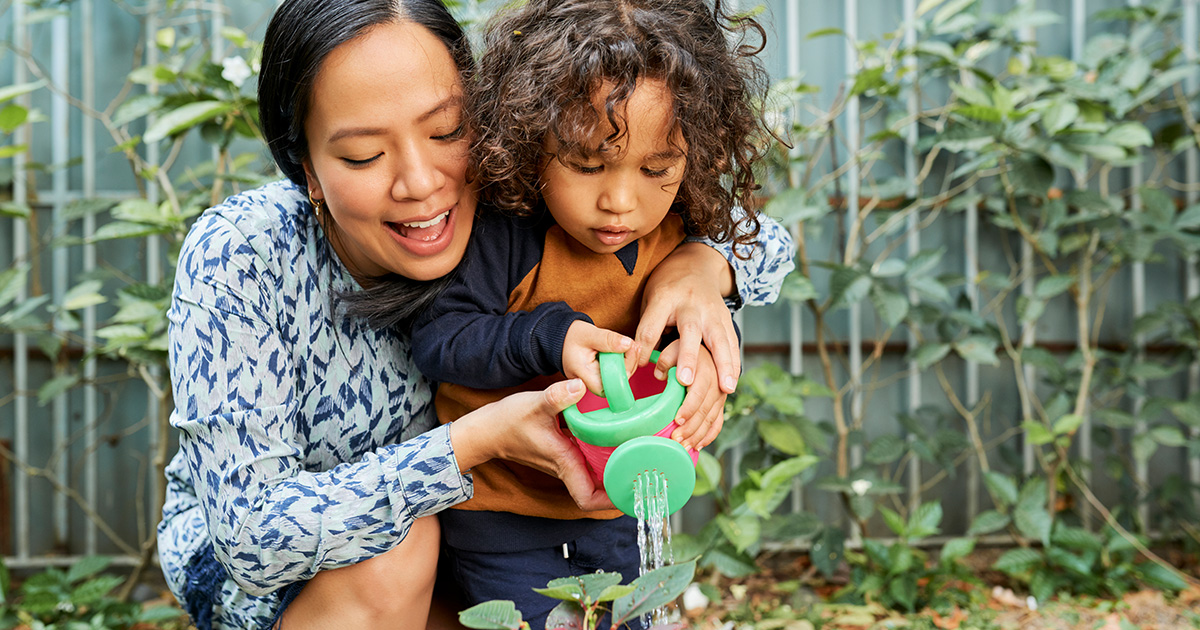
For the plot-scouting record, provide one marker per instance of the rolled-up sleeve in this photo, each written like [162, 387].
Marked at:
[758, 277]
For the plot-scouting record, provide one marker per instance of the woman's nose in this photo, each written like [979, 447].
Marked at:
[419, 174]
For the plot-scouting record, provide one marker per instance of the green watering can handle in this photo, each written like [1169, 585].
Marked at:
[616, 382]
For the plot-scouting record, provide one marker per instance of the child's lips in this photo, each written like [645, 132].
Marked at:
[612, 236]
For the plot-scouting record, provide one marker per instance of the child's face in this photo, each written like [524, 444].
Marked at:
[606, 200]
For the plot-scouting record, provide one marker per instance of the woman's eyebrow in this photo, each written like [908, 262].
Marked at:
[352, 132]
[450, 101]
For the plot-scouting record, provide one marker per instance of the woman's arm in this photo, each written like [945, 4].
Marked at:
[272, 522]
[695, 288]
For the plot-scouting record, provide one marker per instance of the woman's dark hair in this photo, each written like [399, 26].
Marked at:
[544, 61]
[300, 36]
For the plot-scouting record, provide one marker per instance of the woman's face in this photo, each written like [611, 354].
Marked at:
[388, 154]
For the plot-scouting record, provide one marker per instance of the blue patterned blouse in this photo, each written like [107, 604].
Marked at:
[307, 439]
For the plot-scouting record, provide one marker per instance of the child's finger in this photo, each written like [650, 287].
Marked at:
[666, 360]
[726, 357]
[714, 430]
[696, 425]
[632, 358]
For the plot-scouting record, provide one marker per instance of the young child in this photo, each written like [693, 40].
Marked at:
[610, 131]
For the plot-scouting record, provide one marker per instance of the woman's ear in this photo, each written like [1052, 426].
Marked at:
[311, 181]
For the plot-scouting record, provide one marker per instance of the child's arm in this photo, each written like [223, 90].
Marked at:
[466, 337]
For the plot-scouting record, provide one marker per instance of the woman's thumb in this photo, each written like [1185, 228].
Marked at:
[562, 394]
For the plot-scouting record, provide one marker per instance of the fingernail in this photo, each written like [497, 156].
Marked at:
[574, 386]
[686, 446]
[685, 375]
[730, 383]
[676, 435]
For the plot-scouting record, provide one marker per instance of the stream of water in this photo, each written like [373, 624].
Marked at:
[654, 532]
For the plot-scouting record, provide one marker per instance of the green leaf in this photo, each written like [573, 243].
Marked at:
[95, 589]
[797, 288]
[1033, 522]
[1051, 286]
[885, 449]
[1002, 487]
[1168, 435]
[1015, 561]
[786, 470]
[953, 8]
[137, 107]
[15, 210]
[1037, 433]
[827, 550]
[930, 353]
[10, 92]
[988, 522]
[1144, 446]
[729, 562]
[11, 117]
[891, 305]
[12, 281]
[493, 615]
[87, 567]
[982, 113]
[567, 615]
[848, 286]
[925, 519]
[956, 548]
[823, 32]
[742, 531]
[124, 229]
[1068, 424]
[52, 388]
[614, 592]
[979, 349]
[11, 150]
[657, 588]
[708, 474]
[1130, 134]
[782, 435]
[84, 294]
[184, 118]
[894, 521]
[868, 79]
[1161, 577]
[904, 590]
[1060, 115]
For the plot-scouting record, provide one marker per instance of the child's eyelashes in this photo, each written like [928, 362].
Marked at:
[649, 172]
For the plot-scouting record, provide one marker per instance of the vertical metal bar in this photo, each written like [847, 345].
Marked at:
[60, 152]
[1138, 289]
[90, 396]
[153, 253]
[853, 114]
[911, 136]
[20, 252]
[1191, 24]
[796, 338]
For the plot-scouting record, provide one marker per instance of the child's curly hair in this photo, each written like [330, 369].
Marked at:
[546, 59]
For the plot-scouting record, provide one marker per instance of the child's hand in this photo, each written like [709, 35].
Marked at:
[702, 414]
[582, 343]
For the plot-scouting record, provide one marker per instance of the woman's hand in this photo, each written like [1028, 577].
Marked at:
[687, 290]
[523, 428]
[702, 413]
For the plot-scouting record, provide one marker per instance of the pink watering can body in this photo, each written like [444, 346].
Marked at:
[624, 435]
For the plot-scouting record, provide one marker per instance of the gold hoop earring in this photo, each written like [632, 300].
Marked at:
[317, 204]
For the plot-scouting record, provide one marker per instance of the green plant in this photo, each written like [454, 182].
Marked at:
[78, 598]
[585, 598]
[1035, 148]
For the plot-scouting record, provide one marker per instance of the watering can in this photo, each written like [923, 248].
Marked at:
[624, 434]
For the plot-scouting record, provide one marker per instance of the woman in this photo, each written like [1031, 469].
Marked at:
[309, 470]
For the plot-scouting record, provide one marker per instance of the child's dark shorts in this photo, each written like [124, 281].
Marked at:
[488, 575]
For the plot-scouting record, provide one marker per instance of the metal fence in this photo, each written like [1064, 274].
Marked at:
[94, 440]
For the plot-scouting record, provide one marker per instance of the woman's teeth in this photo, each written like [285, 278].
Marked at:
[423, 230]
[430, 223]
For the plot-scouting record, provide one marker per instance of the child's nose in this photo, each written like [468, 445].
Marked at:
[619, 197]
